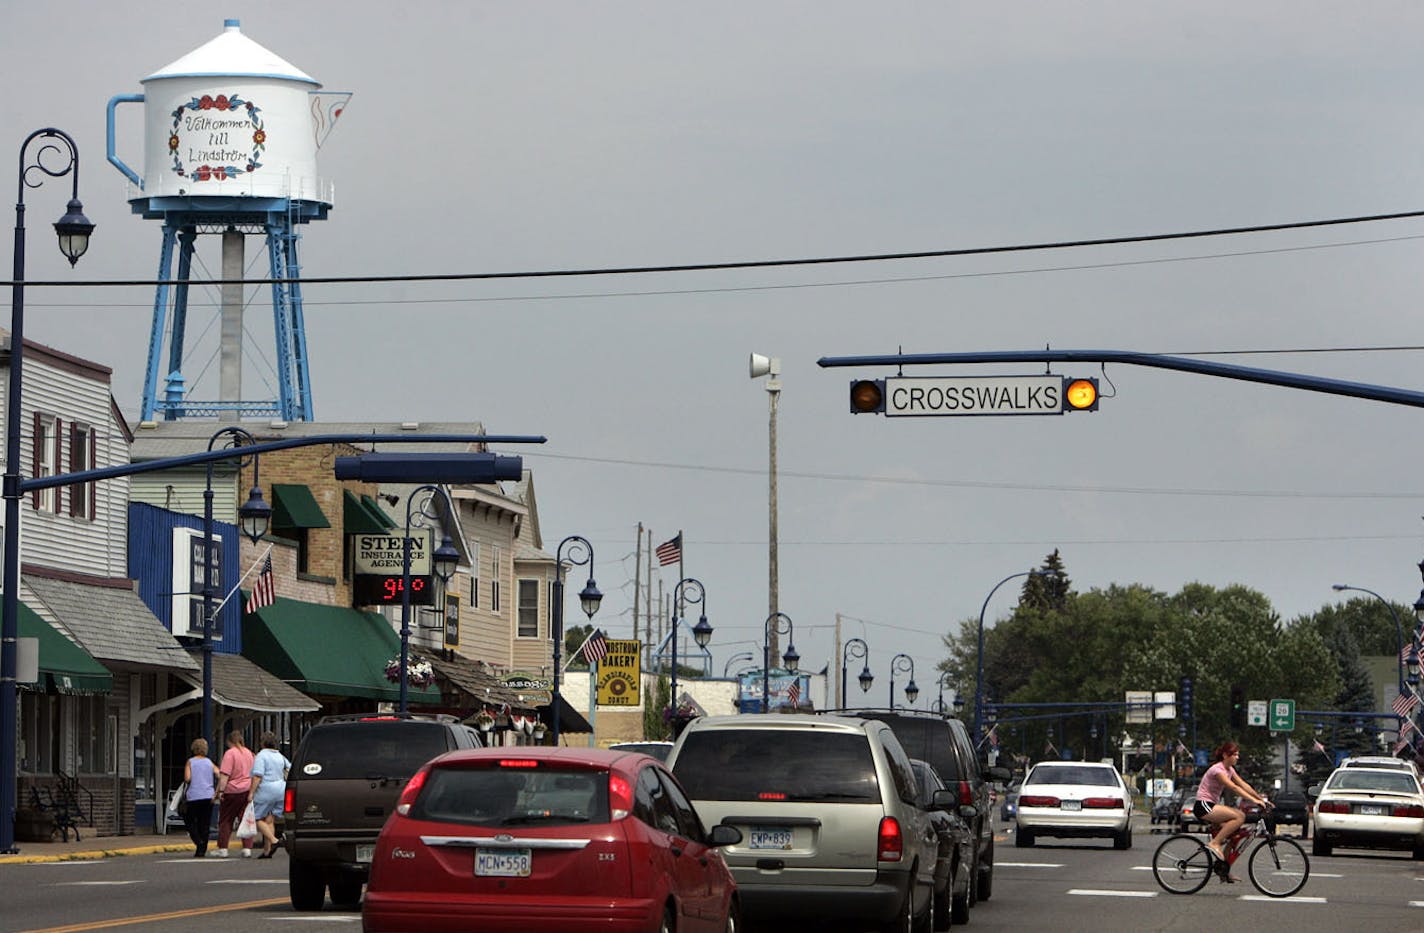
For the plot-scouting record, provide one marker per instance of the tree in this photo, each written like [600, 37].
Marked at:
[655, 727]
[1046, 592]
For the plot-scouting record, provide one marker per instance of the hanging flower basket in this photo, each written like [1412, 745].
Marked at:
[484, 721]
[418, 672]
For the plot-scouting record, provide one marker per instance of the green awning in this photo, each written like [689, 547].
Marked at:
[64, 666]
[379, 512]
[358, 518]
[327, 650]
[293, 506]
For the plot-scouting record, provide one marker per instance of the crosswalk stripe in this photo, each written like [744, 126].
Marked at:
[1283, 900]
[1093, 892]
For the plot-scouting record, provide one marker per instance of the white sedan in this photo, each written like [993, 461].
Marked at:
[1381, 808]
[1075, 799]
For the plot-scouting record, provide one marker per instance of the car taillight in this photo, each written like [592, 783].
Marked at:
[620, 796]
[771, 795]
[1412, 811]
[411, 791]
[1333, 806]
[890, 845]
[1037, 801]
[1103, 803]
[518, 763]
[289, 800]
[966, 794]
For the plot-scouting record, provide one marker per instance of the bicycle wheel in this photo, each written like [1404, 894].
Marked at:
[1181, 865]
[1278, 866]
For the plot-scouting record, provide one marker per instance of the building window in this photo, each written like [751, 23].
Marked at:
[494, 579]
[46, 460]
[92, 745]
[528, 608]
[39, 732]
[474, 575]
[82, 456]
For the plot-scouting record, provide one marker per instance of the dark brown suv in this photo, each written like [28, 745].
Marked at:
[344, 781]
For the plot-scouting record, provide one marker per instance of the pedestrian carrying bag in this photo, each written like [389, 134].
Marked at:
[247, 826]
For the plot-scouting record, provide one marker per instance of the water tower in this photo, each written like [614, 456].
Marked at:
[230, 139]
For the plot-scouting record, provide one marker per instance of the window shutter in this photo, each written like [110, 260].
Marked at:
[57, 503]
[36, 442]
[93, 488]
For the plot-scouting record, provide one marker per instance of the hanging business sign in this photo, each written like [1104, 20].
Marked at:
[620, 673]
[377, 569]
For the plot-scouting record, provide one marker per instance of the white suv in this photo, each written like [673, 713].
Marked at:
[828, 810]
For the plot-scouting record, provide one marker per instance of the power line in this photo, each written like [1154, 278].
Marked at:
[756, 263]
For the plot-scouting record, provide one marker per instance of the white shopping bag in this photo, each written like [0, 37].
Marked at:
[247, 826]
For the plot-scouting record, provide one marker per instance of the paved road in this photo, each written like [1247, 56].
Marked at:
[1068, 886]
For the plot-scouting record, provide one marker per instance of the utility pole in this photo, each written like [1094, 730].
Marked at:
[840, 662]
[637, 576]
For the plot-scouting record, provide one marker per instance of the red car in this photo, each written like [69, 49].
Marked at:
[527, 839]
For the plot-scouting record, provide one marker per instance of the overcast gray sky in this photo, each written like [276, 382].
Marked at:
[491, 137]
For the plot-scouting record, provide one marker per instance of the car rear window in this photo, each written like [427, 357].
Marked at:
[777, 764]
[361, 750]
[1071, 774]
[495, 796]
[926, 739]
[1353, 779]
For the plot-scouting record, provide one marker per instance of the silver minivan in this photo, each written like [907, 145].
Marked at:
[827, 808]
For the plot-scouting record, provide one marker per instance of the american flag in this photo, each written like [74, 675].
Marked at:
[994, 737]
[1404, 704]
[794, 692]
[596, 648]
[263, 589]
[1319, 748]
[670, 551]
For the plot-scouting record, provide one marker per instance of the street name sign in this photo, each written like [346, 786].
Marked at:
[1283, 715]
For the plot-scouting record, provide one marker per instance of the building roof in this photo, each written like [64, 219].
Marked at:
[111, 623]
[240, 684]
[231, 54]
[155, 439]
[477, 680]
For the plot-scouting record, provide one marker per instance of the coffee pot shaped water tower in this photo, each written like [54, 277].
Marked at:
[230, 137]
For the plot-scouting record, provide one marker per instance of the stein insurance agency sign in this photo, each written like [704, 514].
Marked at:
[377, 564]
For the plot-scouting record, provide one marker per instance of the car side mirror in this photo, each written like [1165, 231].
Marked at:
[969, 813]
[997, 773]
[724, 835]
[944, 799]
[1313, 791]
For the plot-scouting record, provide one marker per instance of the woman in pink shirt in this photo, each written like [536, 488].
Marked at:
[234, 778]
[1208, 807]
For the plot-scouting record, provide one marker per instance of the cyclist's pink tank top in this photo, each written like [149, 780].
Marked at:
[1214, 782]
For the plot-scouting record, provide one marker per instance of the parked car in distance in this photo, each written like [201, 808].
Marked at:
[1358, 807]
[1250, 809]
[344, 781]
[658, 750]
[1292, 808]
[1164, 809]
[1382, 761]
[1187, 821]
[1010, 807]
[828, 809]
[1074, 799]
[944, 742]
[956, 849]
[528, 839]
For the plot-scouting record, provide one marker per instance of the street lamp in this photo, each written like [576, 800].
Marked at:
[789, 660]
[1398, 627]
[701, 632]
[580, 553]
[770, 367]
[739, 656]
[73, 230]
[942, 677]
[253, 518]
[903, 662]
[979, 655]
[445, 559]
[856, 648]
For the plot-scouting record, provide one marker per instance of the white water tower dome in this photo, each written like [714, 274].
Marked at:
[231, 118]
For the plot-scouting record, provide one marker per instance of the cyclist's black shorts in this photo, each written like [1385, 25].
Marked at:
[1201, 808]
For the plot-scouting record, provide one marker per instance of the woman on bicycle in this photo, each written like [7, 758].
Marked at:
[1208, 806]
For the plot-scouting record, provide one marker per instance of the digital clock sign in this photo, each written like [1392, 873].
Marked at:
[373, 589]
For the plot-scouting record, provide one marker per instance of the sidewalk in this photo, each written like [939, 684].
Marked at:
[96, 847]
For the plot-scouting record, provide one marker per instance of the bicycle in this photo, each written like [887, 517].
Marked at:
[1278, 866]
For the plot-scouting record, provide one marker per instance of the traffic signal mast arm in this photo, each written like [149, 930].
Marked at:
[1290, 380]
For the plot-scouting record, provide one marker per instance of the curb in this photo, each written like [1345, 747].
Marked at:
[91, 854]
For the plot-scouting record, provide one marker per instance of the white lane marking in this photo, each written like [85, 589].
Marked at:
[72, 884]
[1029, 864]
[1416, 903]
[321, 919]
[1283, 900]
[248, 881]
[1092, 892]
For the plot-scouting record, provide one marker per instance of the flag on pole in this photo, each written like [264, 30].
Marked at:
[794, 693]
[1404, 704]
[595, 649]
[994, 736]
[1181, 747]
[1320, 748]
[670, 551]
[264, 591]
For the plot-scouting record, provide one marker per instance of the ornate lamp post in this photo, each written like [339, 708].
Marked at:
[701, 632]
[979, 655]
[73, 230]
[580, 552]
[903, 662]
[944, 675]
[445, 560]
[739, 656]
[856, 648]
[254, 517]
[790, 660]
